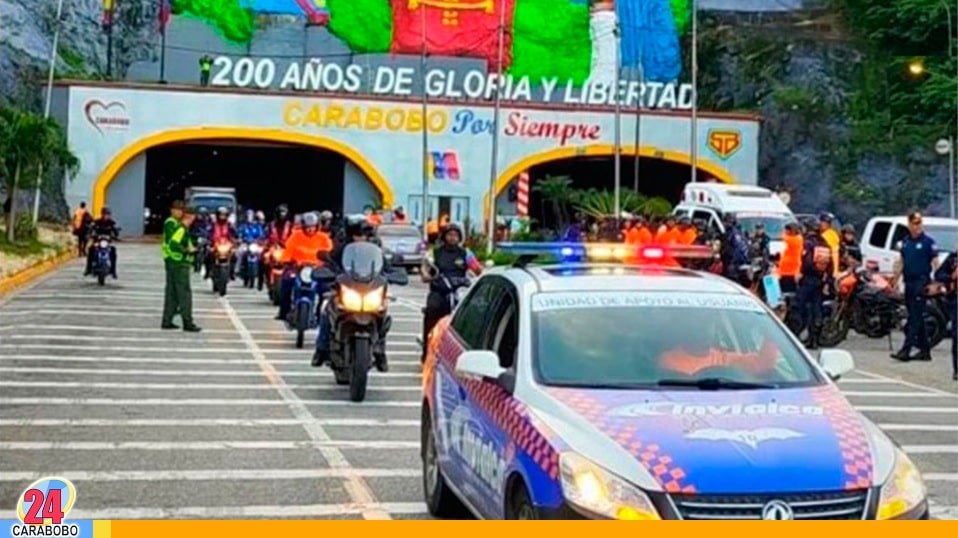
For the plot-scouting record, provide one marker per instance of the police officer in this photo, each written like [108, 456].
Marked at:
[734, 252]
[178, 252]
[917, 261]
[816, 273]
[447, 263]
[851, 252]
[206, 65]
[947, 277]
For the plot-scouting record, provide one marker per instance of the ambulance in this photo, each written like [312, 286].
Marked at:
[750, 205]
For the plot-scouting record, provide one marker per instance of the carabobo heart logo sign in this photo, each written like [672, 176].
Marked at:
[106, 115]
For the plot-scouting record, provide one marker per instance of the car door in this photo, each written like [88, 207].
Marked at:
[493, 407]
[452, 415]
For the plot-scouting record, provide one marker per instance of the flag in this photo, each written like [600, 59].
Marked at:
[166, 11]
[108, 8]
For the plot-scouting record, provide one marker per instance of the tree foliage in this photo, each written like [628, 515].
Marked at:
[29, 143]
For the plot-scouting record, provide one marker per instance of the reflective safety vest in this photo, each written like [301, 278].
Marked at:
[171, 238]
[169, 227]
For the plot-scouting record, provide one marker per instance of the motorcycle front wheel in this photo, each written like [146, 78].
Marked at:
[834, 331]
[302, 323]
[361, 360]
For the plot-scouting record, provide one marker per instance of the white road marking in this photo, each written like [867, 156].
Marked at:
[919, 427]
[894, 394]
[248, 512]
[905, 409]
[220, 474]
[302, 361]
[104, 330]
[191, 401]
[906, 383]
[186, 422]
[940, 477]
[325, 446]
[177, 373]
[191, 386]
[930, 449]
[359, 491]
[172, 351]
[159, 340]
[865, 380]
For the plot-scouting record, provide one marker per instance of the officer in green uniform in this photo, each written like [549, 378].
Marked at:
[178, 250]
[206, 65]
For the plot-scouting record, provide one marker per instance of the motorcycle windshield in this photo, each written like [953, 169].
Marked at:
[362, 261]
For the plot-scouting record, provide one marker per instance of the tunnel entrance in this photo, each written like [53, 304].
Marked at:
[657, 178]
[263, 174]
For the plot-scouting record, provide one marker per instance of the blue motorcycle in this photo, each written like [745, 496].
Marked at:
[101, 259]
[252, 265]
[302, 315]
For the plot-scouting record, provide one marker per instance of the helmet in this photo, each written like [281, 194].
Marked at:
[282, 209]
[451, 227]
[729, 219]
[792, 225]
[848, 229]
[826, 217]
[326, 216]
[260, 215]
[222, 212]
[105, 211]
[310, 219]
[202, 210]
[356, 225]
[811, 224]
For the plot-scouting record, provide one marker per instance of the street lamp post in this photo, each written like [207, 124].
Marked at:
[946, 146]
[49, 100]
[694, 136]
[618, 128]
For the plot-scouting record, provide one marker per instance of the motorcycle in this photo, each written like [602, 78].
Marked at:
[867, 304]
[202, 252]
[252, 265]
[274, 272]
[101, 259]
[302, 315]
[222, 260]
[458, 289]
[358, 315]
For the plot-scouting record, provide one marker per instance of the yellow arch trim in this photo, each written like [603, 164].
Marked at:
[600, 150]
[102, 183]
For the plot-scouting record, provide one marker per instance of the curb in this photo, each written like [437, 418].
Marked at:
[28, 275]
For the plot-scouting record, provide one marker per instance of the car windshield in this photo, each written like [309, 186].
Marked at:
[398, 232]
[649, 339]
[212, 203]
[363, 260]
[774, 224]
[946, 237]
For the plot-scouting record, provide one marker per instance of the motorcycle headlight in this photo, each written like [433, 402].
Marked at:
[904, 491]
[354, 301]
[277, 253]
[306, 274]
[595, 490]
[104, 243]
[255, 248]
[223, 249]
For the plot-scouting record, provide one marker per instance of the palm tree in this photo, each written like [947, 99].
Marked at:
[599, 204]
[28, 143]
[558, 191]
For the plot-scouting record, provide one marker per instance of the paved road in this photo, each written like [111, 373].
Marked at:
[234, 423]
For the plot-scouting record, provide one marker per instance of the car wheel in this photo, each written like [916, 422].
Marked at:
[440, 500]
[520, 506]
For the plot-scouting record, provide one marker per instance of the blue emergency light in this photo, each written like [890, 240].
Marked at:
[565, 252]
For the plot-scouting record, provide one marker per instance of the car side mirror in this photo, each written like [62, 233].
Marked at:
[399, 278]
[481, 364]
[836, 362]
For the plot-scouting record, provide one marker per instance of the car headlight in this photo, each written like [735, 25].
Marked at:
[904, 491]
[255, 248]
[357, 302]
[306, 274]
[104, 243]
[595, 490]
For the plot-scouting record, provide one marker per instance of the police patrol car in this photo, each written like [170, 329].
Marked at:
[642, 392]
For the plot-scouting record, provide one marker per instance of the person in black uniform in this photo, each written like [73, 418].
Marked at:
[447, 263]
[357, 229]
[850, 251]
[104, 226]
[917, 261]
[947, 276]
[816, 274]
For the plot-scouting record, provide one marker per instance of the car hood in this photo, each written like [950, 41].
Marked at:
[741, 441]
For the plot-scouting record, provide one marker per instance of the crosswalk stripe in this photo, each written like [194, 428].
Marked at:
[930, 449]
[905, 409]
[219, 474]
[919, 427]
[246, 512]
[181, 422]
[305, 356]
[894, 394]
[194, 401]
[204, 445]
[191, 373]
[167, 350]
[191, 386]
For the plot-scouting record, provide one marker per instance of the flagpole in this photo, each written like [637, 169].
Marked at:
[109, 42]
[425, 130]
[618, 128]
[639, 104]
[694, 130]
[51, 71]
[494, 166]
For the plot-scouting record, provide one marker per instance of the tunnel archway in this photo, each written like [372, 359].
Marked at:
[140, 147]
[706, 168]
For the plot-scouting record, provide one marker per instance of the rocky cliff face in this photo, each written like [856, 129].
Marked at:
[803, 83]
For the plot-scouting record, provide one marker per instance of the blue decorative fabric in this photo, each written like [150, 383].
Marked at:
[649, 39]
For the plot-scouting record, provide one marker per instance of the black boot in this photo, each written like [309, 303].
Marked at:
[902, 354]
[320, 358]
[923, 355]
[380, 362]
